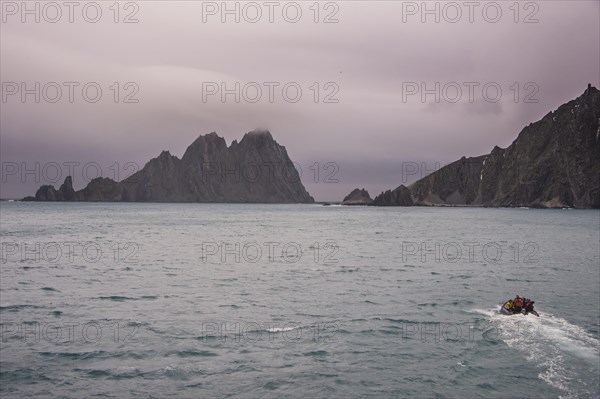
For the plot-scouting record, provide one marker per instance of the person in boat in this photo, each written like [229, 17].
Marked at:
[528, 306]
[518, 305]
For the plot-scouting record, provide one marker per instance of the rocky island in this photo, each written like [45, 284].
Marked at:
[553, 163]
[255, 170]
[357, 197]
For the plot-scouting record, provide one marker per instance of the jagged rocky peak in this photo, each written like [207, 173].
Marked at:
[258, 138]
[358, 197]
[401, 196]
[496, 150]
[256, 170]
[166, 156]
[66, 190]
[164, 160]
[205, 143]
[67, 185]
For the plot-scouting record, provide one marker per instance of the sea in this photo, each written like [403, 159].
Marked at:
[123, 300]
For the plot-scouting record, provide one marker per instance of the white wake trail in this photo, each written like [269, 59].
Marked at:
[551, 343]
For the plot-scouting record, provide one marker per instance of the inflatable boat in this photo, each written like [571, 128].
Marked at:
[518, 305]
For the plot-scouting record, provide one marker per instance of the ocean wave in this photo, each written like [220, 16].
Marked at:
[192, 353]
[17, 308]
[282, 329]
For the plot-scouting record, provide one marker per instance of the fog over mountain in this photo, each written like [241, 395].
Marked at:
[367, 70]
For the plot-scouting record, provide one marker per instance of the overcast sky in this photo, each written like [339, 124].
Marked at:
[361, 77]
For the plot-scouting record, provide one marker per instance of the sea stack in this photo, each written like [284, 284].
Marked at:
[357, 197]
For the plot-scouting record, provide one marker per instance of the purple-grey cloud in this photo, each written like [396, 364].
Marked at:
[368, 57]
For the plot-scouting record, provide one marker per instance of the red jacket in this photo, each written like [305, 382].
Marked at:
[518, 302]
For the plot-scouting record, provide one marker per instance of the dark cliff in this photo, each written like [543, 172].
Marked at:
[255, 170]
[554, 162]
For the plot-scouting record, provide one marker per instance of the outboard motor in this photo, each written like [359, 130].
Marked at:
[507, 307]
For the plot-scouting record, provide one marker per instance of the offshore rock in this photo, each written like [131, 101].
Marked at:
[255, 170]
[357, 197]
